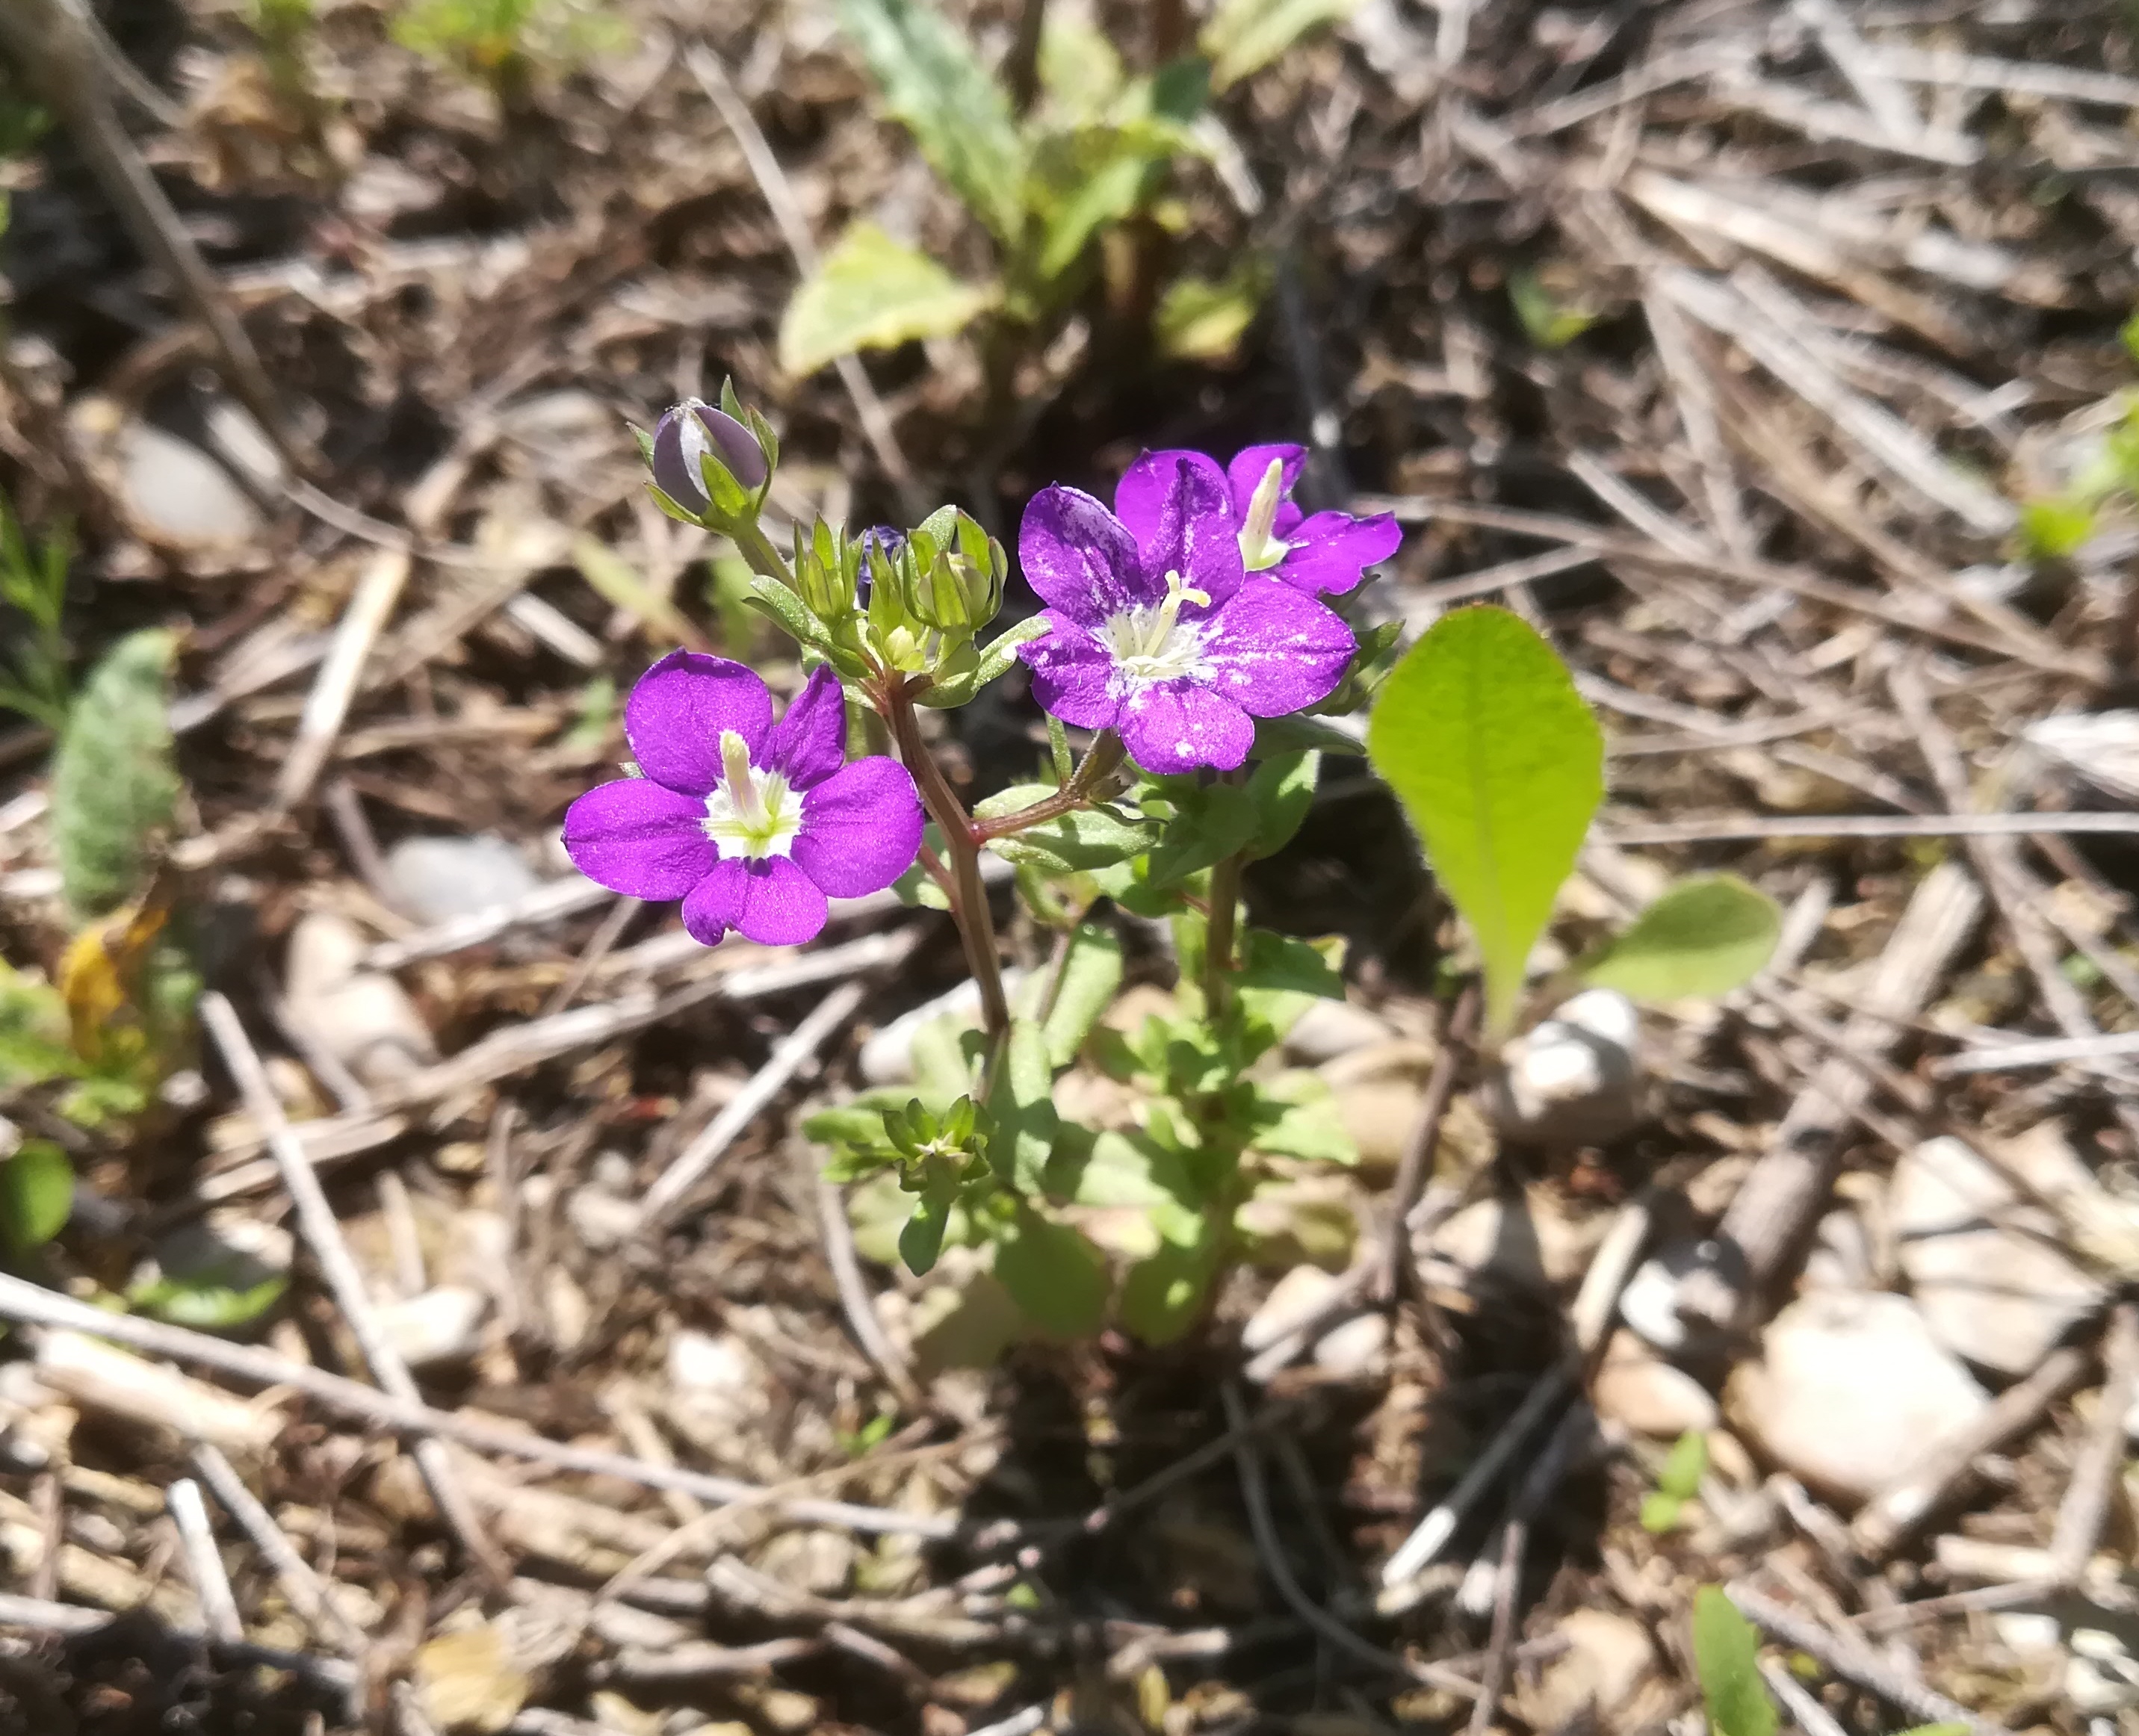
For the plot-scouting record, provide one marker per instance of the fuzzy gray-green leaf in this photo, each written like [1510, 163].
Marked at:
[114, 784]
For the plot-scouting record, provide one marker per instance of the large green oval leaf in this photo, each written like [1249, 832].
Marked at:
[1499, 762]
[36, 1195]
[1707, 935]
[871, 293]
[1726, 1654]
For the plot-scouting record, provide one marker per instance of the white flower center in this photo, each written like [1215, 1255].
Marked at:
[751, 814]
[1260, 550]
[1152, 644]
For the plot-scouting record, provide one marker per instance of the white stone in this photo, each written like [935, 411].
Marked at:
[1850, 1391]
[442, 1326]
[1981, 1262]
[2101, 1677]
[1328, 1028]
[1575, 1079]
[1607, 1658]
[363, 1019]
[177, 496]
[1649, 1397]
[1649, 1303]
[602, 1220]
[436, 879]
[1352, 1348]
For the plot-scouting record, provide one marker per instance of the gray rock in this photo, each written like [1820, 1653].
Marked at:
[1328, 1028]
[442, 1326]
[363, 1019]
[1350, 1349]
[436, 879]
[1982, 1262]
[1850, 1391]
[177, 496]
[1608, 1657]
[1575, 1079]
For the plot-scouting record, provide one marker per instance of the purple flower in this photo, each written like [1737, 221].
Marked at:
[751, 823]
[685, 435]
[1165, 637]
[1330, 551]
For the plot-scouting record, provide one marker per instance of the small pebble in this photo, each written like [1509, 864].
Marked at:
[436, 879]
[1649, 1397]
[1328, 1028]
[441, 1326]
[1351, 1349]
[1575, 1078]
[363, 1019]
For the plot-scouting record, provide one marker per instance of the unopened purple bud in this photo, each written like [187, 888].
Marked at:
[880, 544]
[685, 435]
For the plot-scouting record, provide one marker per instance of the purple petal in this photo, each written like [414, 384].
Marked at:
[1271, 649]
[771, 901]
[1247, 468]
[810, 741]
[1077, 555]
[1140, 496]
[635, 838]
[675, 715]
[1072, 674]
[861, 829]
[1177, 726]
[1287, 520]
[1196, 537]
[1332, 551]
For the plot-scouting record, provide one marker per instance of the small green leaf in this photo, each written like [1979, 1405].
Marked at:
[1500, 766]
[2055, 528]
[1056, 1277]
[1550, 324]
[114, 784]
[1687, 1464]
[36, 1195]
[1203, 318]
[1080, 73]
[922, 1239]
[1246, 36]
[207, 1306]
[779, 602]
[1107, 183]
[871, 293]
[1284, 976]
[1706, 935]
[939, 91]
[1726, 1653]
[1661, 1512]
[1119, 1170]
[1294, 1115]
[1210, 821]
[1090, 974]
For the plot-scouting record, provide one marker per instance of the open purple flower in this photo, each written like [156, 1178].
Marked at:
[751, 823]
[1330, 551]
[1166, 637]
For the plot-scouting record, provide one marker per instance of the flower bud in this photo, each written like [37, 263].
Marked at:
[824, 574]
[690, 434]
[956, 576]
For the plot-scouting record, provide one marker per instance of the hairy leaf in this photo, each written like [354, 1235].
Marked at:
[1707, 935]
[114, 784]
[1500, 764]
[36, 1195]
[1056, 1277]
[1090, 974]
[871, 293]
[936, 87]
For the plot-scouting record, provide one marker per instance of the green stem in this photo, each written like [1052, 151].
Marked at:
[1218, 936]
[968, 893]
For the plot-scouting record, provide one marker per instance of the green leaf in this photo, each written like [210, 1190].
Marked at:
[1500, 766]
[1075, 843]
[1210, 821]
[1294, 1115]
[1661, 1512]
[922, 1239]
[1283, 790]
[114, 784]
[871, 293]
[1687, 1464]
[1021, 1109]
[1090, 974]
[2055, 528]
[1080, 73]
[1726, 1653]
[1117, 1170]
[36, 1195]
[1275, 736]
[936, 88]
[1056, 1277]
[779, 602]
[1202, 318]
[1244, 35]
[1164, 1295]
[207, 1306]
[1284, 976]
[34, 1032]
[1550, 324]
[1705, 935]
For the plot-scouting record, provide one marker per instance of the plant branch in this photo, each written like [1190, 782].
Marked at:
[758, 549]
[1100, 763]
[1021, 70]
[961, 839]
[1219, 937]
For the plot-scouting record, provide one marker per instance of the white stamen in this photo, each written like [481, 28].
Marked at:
[751, 812]
[1152, 644]
[1260, 550]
